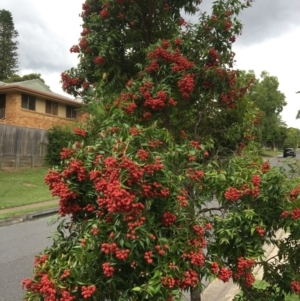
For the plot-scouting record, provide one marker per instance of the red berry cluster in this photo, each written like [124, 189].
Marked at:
[196, 175]
[65, 274]
[75, 49]
[135, 131]
[66, 296]
[295, 287]
[130, 108]
[44, 287]
[190, 279]
[186, 85]
[168, 281]
[294, 194]
[59, 188]
[40, 259]
[87, 291]
[249, 279]
[99, 60]
[224, 274]
[148, 257]
[161, 250]
[80, 132]
[182, 200]
[75, 167]
[134, 221]
[256, 180]
[152, 67]
[285, 214]
[199, 230]
[249, 191]
[155, 103]
[122, 254]
[243, 270]
[69, 82]
[214, 267]
[265, 167]
[108, 270]
[95, 230]
[260, 230]
[213, 57]
[295, 213]
[153, 144]
[104, 13]
[108, 248]
[195, 144]
[168, 219]
[233, 194]
[197, 259]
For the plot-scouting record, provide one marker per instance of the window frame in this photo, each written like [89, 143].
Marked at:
[53, 105]
[2, 105]
[28, 102]
[72, 111]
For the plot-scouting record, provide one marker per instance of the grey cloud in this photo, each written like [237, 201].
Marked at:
[268, 19]
[41, 46]
[265, 19]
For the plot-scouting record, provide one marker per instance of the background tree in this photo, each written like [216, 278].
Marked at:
[293, 138]
[280, 136]
[17, 78]
[8, 45]
[266, 96]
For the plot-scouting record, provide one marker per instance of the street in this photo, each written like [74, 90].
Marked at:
[19, 244]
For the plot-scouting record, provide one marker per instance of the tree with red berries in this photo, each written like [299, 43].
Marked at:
[156, 202]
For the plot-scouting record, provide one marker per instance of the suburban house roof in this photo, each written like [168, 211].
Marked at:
[37, 88]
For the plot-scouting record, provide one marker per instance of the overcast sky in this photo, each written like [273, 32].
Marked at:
[270, 41]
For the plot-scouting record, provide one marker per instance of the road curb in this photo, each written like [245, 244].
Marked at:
[28, 216]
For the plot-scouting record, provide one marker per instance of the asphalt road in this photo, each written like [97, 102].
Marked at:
[19, 244]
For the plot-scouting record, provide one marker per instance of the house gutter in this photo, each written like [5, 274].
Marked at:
[49, 96]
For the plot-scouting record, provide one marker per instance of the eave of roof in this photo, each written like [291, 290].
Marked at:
[50, 96]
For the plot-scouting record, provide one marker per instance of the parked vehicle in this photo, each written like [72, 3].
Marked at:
[289, 152]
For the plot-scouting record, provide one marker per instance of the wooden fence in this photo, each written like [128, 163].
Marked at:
[22, 147]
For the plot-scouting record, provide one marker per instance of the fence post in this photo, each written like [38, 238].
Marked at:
[17, 162]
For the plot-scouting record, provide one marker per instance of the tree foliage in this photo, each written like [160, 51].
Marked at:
[8, 45]
[292, 138]
[17, 78]
[267, 97]
[59, 137]
[155, 205]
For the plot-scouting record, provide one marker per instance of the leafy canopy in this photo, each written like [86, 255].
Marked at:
[155, 203]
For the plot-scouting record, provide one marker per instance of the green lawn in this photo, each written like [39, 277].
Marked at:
[23, 187]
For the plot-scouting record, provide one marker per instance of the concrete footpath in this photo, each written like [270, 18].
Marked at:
[215, 291]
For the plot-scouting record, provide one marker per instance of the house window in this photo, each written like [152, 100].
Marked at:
[28, 102]
[51, 107]
[2, 106]
[71, 112]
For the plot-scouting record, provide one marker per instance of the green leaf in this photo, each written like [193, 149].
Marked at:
[261, 284]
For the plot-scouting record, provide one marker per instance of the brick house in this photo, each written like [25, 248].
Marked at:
[32, 104]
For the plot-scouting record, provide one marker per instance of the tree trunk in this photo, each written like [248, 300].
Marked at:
[195, 295]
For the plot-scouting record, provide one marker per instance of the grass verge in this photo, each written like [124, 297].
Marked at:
[266, 153]
[17, 213]
[22, 187]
